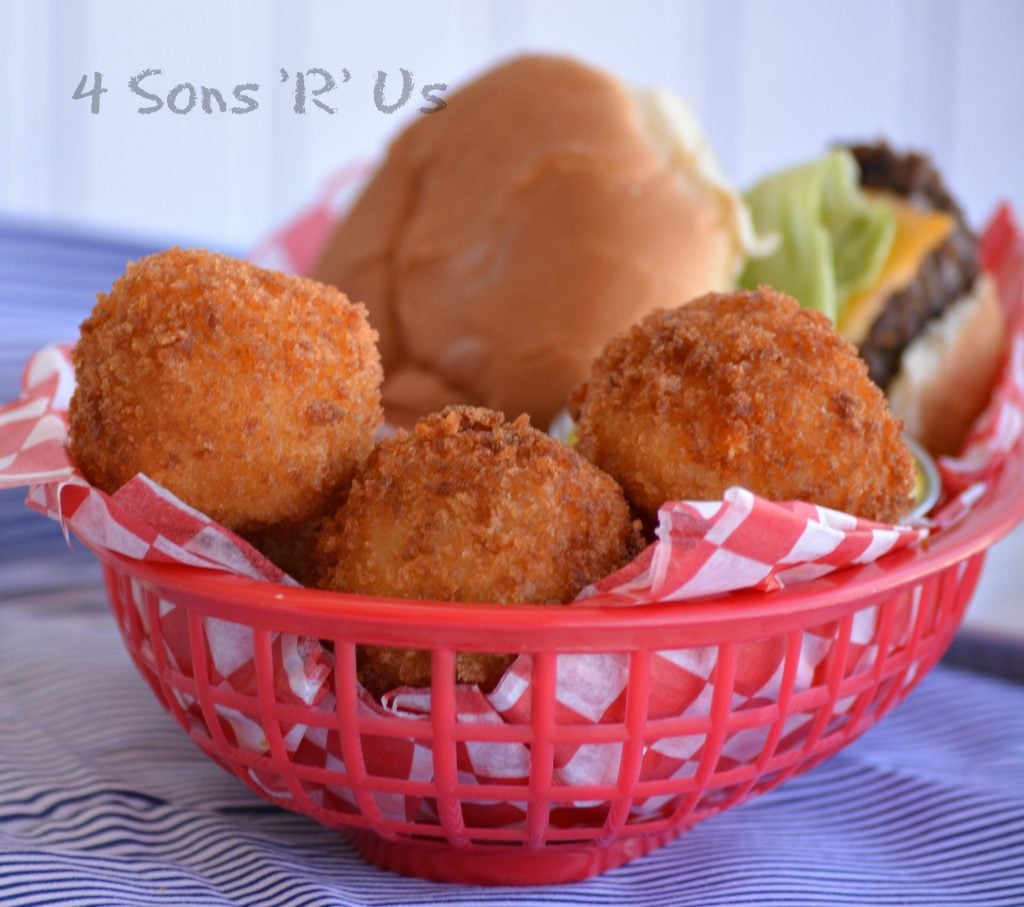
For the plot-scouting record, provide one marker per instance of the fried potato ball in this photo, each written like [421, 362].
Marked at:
[249, 394]
[468, 507]
[744, 389]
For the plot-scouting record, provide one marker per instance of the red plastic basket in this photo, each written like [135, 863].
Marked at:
[915, 599]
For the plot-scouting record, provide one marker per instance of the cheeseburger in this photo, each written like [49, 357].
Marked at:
[873, 238]
[505, 239]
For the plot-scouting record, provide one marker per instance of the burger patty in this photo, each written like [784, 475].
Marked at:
[945, 275]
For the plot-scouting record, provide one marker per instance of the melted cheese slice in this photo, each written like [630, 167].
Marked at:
[918, 233]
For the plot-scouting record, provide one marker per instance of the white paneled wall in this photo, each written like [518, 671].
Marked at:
[773, 82]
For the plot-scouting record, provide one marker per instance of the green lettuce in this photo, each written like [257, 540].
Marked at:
[833, 240]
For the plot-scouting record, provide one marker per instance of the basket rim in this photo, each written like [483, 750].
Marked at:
[745, 613]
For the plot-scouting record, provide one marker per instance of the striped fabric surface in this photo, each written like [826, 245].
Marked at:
[104, 801]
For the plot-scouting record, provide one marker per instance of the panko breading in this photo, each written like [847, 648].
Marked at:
[743, 389]
[249, 394]
[468, 507]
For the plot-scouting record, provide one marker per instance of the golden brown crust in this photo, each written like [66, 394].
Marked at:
[469, 507]
[505, 239]
[381, 669]
[249, 394]
[743, 389]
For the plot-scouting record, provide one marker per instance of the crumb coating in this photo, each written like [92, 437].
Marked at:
[468, 507]
[748, 389]
[250, 394]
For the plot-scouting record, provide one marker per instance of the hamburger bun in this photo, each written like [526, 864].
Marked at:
[505, 239]
[947, 373]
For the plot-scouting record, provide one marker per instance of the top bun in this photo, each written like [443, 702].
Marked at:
[506, 238]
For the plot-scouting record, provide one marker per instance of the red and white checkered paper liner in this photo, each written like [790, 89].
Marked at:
[703, 548]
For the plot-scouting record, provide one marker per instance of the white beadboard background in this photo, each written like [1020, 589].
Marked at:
[773, 83]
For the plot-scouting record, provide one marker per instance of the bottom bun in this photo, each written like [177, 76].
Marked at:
[947, 373]
[418, 392]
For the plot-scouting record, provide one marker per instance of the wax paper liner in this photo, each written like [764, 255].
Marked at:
[703, 548]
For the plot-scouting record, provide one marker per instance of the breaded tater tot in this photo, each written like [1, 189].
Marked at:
[249, 394]
[743, 389]
[468, 507]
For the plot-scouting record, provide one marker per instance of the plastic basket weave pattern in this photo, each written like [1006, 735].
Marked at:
[875, 631]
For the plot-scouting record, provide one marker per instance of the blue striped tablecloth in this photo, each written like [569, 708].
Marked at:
[104, 801]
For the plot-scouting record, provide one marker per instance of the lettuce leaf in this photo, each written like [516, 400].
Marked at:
[833, 239]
